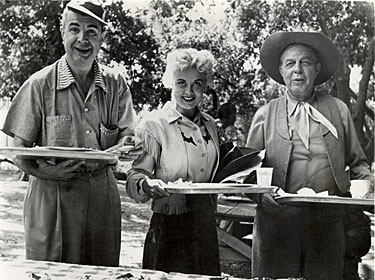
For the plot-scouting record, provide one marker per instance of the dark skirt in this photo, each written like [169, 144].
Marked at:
[185, 243]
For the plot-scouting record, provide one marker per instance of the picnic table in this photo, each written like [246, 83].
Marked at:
[15, 269]
[236, 216]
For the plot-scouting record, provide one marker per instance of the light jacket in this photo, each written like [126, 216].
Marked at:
[171, 161]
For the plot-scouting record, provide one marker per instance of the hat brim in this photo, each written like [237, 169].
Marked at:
[276, 43]
[244, 162]
[81, 9]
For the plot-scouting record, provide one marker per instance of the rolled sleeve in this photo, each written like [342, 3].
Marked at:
[127, 114]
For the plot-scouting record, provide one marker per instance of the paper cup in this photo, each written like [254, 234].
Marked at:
[264, 176]
[359, 188]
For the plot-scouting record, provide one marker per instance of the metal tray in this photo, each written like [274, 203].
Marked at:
[297, 199]
[216, 188]
[61, 153]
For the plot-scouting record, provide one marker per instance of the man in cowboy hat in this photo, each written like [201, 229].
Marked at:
[72, 210]
[310, 141]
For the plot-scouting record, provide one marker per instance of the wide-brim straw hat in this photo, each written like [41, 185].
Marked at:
[276, 43]
[234, 159]
[90, 8]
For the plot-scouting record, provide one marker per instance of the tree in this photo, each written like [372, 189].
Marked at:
[30, 40]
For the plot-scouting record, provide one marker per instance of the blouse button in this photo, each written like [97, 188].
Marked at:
[195, 129]
[203, 155]
[86, 109]
[87, 131]
[199, 140]
[202, 170]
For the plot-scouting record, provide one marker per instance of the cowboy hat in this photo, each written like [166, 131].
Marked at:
[276, 43]
[235, 160]
[90, 8]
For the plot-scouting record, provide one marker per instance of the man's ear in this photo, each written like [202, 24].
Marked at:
[318, 65]
[104, 34]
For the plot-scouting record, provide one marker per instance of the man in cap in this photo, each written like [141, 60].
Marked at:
[72, 210]
[310, 141]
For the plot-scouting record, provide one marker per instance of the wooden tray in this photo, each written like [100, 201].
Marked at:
[61, 153]
[215, 188]
[297, 199]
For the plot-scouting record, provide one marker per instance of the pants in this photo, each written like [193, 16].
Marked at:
[74, 222]
[304, 242]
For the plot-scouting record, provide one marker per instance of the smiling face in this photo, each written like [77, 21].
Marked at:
[82, 37]
[299, 68]
[187, 90]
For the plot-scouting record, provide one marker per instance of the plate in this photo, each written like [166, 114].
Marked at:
[215, 188]
[295, 199]
[61, 153]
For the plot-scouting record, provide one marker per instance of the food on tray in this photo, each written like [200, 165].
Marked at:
[181, 184]
[303, 192]
[33, 276]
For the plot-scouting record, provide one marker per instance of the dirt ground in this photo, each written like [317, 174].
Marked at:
[135, 219]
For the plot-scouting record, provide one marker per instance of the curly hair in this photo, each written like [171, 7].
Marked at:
[182, 59]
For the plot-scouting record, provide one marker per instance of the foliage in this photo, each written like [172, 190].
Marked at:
[129, 45]
[30, 40]
[139, 40]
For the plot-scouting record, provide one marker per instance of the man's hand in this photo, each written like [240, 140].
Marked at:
[129, 155]
[63, 171]
[267, 200]
[154, 188]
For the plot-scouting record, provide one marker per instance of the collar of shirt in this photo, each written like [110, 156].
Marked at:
[65, 77]
[174, 115]
[292, 103]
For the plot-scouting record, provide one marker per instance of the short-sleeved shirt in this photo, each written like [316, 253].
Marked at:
[49, 110]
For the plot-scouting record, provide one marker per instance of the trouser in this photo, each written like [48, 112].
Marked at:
[74, 222]
[296, 242]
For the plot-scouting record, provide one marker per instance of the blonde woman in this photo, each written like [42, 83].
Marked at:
[179, 142]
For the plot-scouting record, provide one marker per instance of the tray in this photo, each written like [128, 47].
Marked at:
[297, 199]
[61, 153]
[215, 188]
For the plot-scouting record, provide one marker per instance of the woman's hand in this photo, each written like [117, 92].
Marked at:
[154, 188]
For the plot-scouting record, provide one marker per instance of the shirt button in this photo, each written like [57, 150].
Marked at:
[195, 129]
[203, 155]
[199, 140]
[87, 131]
[202, 170]
[86, 109]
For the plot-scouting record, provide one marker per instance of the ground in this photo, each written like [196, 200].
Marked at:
[135, 219]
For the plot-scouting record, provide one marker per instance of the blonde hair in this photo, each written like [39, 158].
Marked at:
[182, 59]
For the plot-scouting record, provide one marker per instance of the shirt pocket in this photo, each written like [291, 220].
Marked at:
[108, 136]
[59, 130]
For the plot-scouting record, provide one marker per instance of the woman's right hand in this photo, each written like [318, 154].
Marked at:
[154, 188]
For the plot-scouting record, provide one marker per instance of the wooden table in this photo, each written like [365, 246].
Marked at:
[231, 212]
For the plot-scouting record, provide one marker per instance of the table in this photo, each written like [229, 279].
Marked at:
[232, 211]
[15, 269]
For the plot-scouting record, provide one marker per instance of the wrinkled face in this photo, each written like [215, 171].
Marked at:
[299, 68]
[187, 90]
[82, 37]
